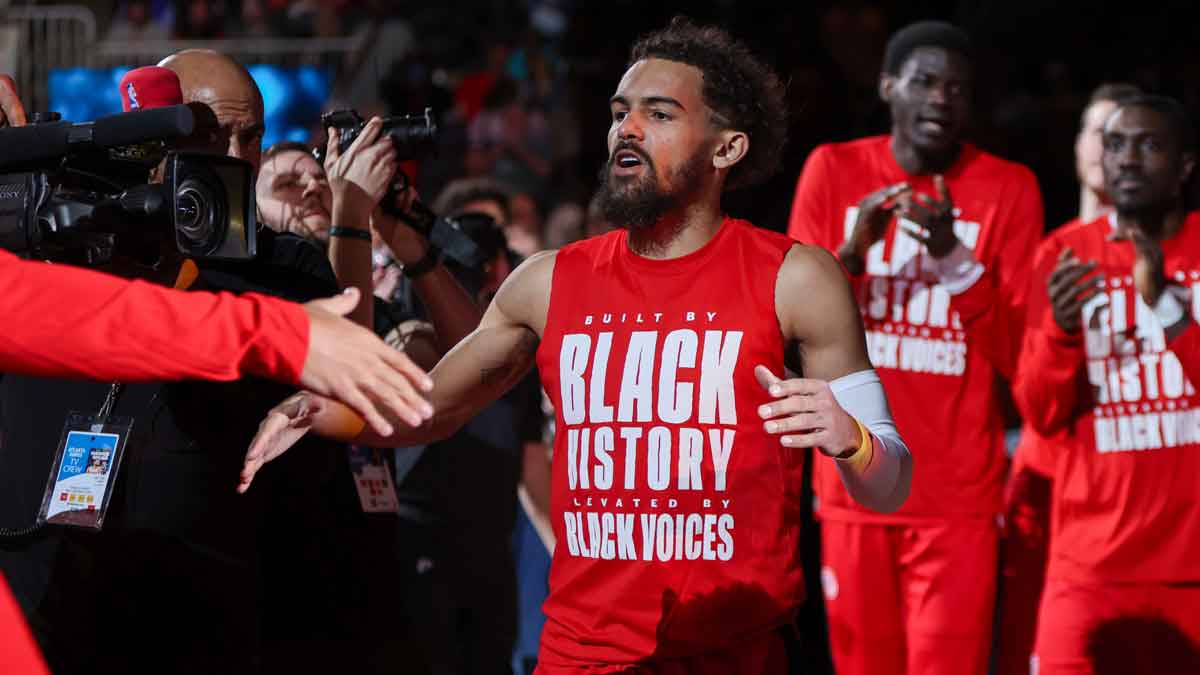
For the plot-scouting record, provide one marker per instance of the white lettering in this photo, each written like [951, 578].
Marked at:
[724, 527]
[636, 378]
[658, 473]
[675, 400]
[597, 410]
[603, 442]
[631, 436]
[716, 376]
[572, 361]
[720, 443]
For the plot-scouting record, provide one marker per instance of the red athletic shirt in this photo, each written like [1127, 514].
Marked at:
[938, 355]
[1127, 496]
[63, 321]
[677, 516]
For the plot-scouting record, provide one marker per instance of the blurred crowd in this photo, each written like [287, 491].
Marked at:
[218, 19]
[520, 83]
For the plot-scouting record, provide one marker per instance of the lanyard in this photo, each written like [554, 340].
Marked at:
[110, 401]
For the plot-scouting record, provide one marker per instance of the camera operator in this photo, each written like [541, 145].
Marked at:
[171, 584]
[68, 322]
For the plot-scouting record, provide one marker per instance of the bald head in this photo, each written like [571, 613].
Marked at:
[212, 78]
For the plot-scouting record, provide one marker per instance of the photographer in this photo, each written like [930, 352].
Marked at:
[338, 205]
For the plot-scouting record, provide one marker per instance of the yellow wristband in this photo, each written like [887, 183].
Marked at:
[866, 448]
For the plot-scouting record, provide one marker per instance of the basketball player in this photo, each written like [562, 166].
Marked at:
[1023, 547]
[1110, 355]
[679, 448]
[937, 236]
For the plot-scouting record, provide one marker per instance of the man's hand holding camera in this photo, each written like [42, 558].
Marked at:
[360, 178]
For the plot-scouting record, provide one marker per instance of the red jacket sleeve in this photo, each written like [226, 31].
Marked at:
[63, 321]
[1050, 373]
[993, 309]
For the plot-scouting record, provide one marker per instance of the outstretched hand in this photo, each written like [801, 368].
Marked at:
[806, 414]
[348, 363]
[282, 428]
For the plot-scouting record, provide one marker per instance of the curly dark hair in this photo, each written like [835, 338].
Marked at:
[743, 92]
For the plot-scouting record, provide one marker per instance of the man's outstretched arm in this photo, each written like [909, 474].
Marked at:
[65, 321]
[476, 372]
[838, 407]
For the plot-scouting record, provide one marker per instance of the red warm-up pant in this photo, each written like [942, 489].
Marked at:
[908, 599]
[1118, 629]
[1023, 553]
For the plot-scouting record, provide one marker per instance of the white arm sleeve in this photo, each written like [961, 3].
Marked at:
[883, 483]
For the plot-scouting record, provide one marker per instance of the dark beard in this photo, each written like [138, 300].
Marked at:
[637, 203]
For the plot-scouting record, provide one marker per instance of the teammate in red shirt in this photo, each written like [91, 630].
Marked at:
[1024, 545]
[937, 236]
[1110, 355]
[677, 469]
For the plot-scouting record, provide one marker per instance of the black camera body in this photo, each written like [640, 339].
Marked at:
[81, 193]
[413, 136]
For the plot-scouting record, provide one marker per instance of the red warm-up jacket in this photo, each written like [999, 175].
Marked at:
[62, 321]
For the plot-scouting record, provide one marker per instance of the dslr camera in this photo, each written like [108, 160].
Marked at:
[82, 193]
[415, 138]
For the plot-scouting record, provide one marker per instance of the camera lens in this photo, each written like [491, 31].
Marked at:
[199, 220]
[414, 136]
[187, 210]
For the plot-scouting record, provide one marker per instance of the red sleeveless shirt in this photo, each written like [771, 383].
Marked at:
[676, 515]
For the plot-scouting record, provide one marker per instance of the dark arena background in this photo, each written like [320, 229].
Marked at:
[520, 91]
